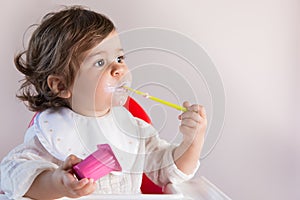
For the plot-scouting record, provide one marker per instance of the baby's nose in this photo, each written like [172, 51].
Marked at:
[118, 70]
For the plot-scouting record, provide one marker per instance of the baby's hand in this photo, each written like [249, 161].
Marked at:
[68, 184]
[193, 123]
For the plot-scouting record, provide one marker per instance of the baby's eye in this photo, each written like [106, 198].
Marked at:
[100, 63]
[120, 59]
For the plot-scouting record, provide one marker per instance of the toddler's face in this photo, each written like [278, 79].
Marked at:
[99, 81]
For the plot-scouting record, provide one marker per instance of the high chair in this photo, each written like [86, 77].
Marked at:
[147, 187]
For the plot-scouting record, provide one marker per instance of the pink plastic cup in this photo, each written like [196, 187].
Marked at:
[98, 164]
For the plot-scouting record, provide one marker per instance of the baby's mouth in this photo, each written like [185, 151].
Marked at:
[119, 87]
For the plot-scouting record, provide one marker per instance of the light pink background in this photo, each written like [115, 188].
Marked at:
[255, 47]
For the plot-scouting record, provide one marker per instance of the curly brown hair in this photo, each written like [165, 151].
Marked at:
[58, 47]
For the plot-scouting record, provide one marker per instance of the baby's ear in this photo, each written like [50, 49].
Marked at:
[57, 86]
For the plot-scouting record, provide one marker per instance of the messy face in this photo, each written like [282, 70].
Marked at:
[98, 83]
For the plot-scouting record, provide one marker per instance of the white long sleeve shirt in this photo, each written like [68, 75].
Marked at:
[58, 133]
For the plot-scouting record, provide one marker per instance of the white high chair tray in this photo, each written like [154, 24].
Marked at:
[131, 197]
[196, 189]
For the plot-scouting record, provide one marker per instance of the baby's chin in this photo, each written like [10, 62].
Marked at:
[119, 99]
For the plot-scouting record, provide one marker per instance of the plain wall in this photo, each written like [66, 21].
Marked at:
[255, 47]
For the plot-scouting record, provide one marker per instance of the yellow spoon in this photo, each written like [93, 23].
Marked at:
[146, 95]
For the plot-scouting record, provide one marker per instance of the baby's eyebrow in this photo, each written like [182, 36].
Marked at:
[104, 52]
[96, 54]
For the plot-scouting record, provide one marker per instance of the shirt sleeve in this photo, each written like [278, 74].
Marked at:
[159, 163]
[22, 165]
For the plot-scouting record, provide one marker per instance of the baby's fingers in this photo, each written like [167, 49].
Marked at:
[87, 188]
[198, 109]
[77, 185]
[186, 104]
[189, 123]
[190, 115]
[80, 188]
[69, 162]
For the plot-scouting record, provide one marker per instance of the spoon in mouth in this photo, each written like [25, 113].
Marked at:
[118, 88]
[146, 95]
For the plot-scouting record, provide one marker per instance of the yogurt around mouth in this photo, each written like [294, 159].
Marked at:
[119, 93]
[118, 88]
